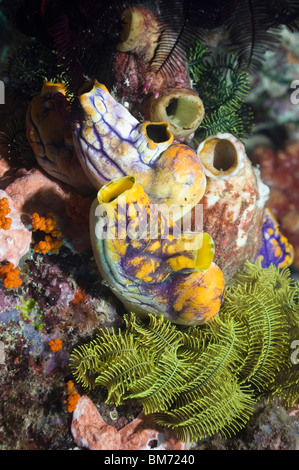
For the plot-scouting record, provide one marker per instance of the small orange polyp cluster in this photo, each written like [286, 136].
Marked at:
[5, 222]
[10, 276]
[47, 224]
[55, 345]
[73, 397]
[48, 245]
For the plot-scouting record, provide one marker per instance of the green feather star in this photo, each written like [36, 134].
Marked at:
[206, 379]
[223, 87]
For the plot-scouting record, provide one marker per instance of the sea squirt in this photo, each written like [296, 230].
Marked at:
[234, 201]
[111, 144]
[49, 134]
[147, 265]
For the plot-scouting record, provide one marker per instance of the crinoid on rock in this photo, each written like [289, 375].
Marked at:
[205, 379]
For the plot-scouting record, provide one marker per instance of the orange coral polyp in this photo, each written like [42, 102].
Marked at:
[73, 397]
[72, 402]
[55, 345]
[49, 245]
[46, 224]
[10, 276]
[5, 222]
[4, 208]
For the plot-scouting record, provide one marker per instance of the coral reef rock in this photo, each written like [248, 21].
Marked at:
[91, 431]
[15, 241]
[35, 191]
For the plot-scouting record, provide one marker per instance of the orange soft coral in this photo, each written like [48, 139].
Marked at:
[5, 222]
[73, 397]
[10, 276]
[72, 402]
[48, 225]
[50, 244]
[55, 345]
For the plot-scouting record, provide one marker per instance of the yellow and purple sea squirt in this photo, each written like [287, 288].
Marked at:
[49, 134]
[111, 143]
[146, 263]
